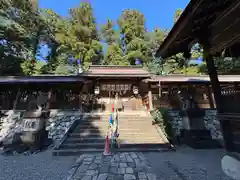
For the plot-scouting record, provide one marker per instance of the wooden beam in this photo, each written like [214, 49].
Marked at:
[225, 125]
[179, 26]
[226, 13]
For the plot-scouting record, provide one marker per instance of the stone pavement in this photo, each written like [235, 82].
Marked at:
[119, 166]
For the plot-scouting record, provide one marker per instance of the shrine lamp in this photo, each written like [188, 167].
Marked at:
[96, 90]
[135, 90]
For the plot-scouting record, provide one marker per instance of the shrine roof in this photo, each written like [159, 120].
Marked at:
[215, 21]
[202, 78]
[116, 71]
[40, 79]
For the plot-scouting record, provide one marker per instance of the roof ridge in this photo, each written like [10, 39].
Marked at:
[116, 66]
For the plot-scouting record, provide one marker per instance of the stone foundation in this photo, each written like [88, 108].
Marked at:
[212, 124]
[11, 124]
[176, 121]
[57, 125]
[210, 121]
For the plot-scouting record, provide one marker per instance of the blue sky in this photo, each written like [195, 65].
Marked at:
[159, 13]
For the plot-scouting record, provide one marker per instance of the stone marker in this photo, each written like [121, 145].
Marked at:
[231, 167]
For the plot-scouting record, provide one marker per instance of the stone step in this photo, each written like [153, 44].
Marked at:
[141, 122]
[123, 120]
[121, 113]
[138, 117]
[121, 130]
[102, 145]
[102, 139]
[76, 152]
[204, 144]
[125, 133]
[122, 136]
[121, 125]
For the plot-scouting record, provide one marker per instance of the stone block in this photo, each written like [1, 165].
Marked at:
[102, 176]
[121, 170]
[129, 177]
[123, 165]
[129, 170]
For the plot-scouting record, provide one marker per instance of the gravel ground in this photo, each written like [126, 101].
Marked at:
[184, 164]
[188, 164]
[41, 166]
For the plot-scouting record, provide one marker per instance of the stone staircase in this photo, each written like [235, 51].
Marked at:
[133, 105]
[136, 134]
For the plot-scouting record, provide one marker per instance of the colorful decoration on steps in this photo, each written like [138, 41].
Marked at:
[113, 128]
[111, 120]
[107, 148]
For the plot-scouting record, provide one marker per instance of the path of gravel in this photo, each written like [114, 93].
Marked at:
[41, 166]
[184, 164]
[188, 164]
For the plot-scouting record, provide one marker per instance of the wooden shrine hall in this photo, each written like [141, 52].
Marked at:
[95, 89]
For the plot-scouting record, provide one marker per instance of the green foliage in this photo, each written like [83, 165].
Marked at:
[224, 65]
[18, 35]
[132, 29]
[66, 70]
[177, 14]
[25, 28]
[162, 118]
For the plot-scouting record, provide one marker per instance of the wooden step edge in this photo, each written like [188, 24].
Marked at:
[102, 129]
[103, 138]
[73, 152]
[125, 142]
[121, 134]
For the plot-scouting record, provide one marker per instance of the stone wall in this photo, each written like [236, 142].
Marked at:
[176, 121]
[57, 125]
[212, 124]
[210, 121]
[11, 124]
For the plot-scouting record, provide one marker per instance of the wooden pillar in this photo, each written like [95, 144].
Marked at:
[216, 88]
[16, 99]
[210, 96]
[49, 99]
[150, 101]
[80, 96]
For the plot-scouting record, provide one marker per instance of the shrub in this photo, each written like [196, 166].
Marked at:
[161, 117]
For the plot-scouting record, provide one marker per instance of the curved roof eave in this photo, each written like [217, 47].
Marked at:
[178, 26]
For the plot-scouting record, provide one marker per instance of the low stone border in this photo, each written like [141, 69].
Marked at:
[163, 137]
[161, 134]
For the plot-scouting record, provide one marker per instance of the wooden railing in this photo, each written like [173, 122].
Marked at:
[145, 101]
